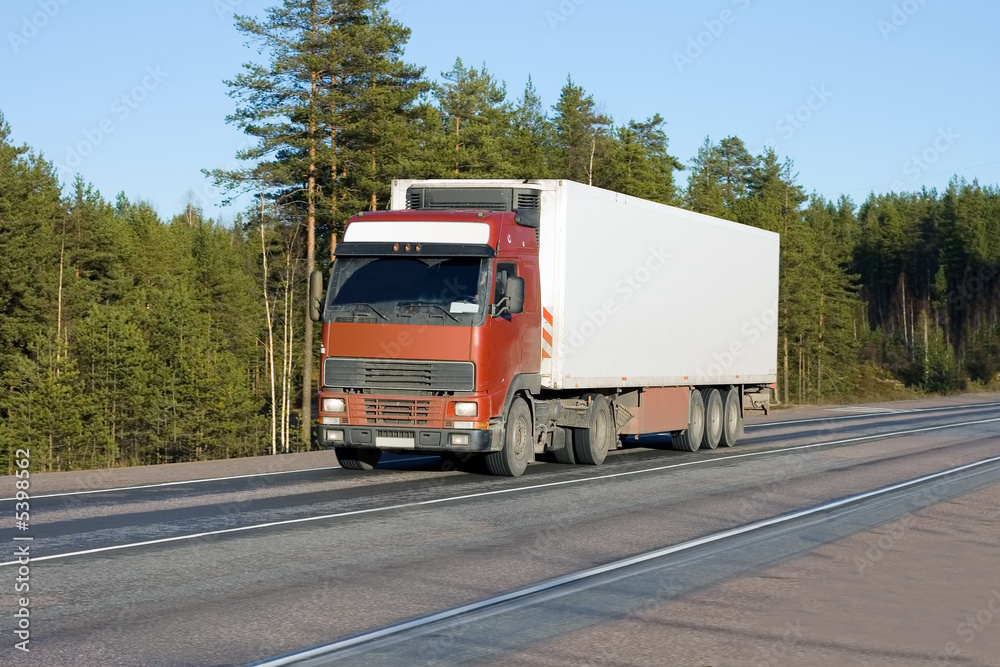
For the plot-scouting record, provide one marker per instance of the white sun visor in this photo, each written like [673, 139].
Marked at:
[375, 231]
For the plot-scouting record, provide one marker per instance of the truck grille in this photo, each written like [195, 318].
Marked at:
[397, 412]
[396, 434]
[381, 374]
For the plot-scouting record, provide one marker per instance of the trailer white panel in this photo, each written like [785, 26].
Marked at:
[643, 294]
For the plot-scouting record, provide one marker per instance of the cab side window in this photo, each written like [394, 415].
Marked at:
[504, 271]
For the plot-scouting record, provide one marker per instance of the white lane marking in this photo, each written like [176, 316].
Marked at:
[318, 651]
[497, 492]
[199, 481]
[178, 483]
[945, 408]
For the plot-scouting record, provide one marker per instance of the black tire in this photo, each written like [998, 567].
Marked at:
[518, 440]
[690, 439]
[591, 444]
[566, 454]
[732, 418]
[713, 418]
[356, 458]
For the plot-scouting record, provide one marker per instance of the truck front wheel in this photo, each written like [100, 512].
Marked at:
[356, 458]
[591, 444]
[512, 460]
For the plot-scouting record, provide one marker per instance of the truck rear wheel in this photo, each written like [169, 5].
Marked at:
[732, 418]
[512, 460]
[356, 458]
[713, 417]
[690, 439]
[591, 444]
[566, 454]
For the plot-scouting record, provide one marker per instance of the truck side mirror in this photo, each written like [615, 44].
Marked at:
[515, 295]
[316, 296]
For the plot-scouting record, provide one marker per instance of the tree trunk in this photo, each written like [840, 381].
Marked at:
[307, 351]
[906, 339]
[590, 168]
[333, 188]
[458, 122]
[269, 350]
[927, 372]
[59, 345]
[819, 357]
[288, 345]
[786, 370]
[374, 206]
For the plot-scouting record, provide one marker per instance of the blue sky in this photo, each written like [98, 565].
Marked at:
[864, 95]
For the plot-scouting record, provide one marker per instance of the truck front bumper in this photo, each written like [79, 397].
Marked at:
[427, 439]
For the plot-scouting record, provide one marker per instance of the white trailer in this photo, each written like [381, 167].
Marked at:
[644, 294]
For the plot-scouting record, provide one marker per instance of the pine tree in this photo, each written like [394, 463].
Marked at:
[704, 190]
[113, 355]
[774, 203]
[30, 213]
[582, 134]
[737, 170]
[372, 95]
[477, 118]
[837, 326]
[533, 137]
[639, 163]
[332, 114]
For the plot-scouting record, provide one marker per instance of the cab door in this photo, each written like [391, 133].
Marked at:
[505, 336]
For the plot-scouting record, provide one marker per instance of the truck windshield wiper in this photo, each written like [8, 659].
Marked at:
[432, 305]
[374, 310]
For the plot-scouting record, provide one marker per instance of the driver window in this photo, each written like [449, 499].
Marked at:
[504, 271]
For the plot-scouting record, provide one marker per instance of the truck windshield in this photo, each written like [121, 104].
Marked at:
[391, 288]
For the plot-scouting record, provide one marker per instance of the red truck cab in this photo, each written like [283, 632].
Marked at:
[431, 325]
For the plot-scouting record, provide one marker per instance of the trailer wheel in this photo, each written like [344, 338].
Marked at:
[517, 443]
[356, 458]
[566, 454]
[690, 439]
[591, 444]
[732, 418]
[713, 417]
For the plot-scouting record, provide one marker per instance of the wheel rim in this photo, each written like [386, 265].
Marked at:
[520, 438]
[601, 431]
[731, 422]
[698, 422]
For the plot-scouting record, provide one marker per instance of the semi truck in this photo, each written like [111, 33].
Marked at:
[506, 319]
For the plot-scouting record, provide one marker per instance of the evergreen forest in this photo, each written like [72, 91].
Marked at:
[128, 339]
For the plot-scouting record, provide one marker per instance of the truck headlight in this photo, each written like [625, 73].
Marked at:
[466, 409]
[334, 405]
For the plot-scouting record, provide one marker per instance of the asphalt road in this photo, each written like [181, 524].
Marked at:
[231, 571]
